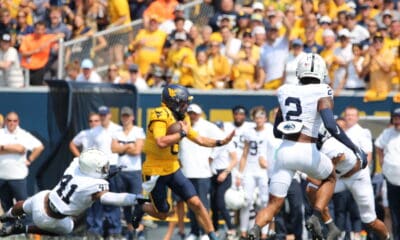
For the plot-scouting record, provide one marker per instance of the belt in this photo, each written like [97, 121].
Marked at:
[52, 210]
[300, 138]
[355, 169]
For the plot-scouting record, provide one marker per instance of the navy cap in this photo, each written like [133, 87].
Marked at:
[103, 110]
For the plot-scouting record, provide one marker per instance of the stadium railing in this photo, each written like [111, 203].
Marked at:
[81, 48]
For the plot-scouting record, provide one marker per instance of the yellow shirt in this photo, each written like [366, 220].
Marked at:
[184, 61]
[161, 161]
[333, 9]
[151, 50]
[220, 65]
[203, 77]
[329, 57]
[243, 73]
[117, 9]
[381, 81]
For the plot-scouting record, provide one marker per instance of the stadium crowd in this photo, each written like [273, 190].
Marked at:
[247, 45]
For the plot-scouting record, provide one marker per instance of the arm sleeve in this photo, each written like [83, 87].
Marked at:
[278, 120]
[118, 199]
[335, 130]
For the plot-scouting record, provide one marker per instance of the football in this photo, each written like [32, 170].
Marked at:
[174, 128]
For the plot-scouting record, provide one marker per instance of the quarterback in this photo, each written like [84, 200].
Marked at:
[303, 108]
[162, 166]
[83, 182]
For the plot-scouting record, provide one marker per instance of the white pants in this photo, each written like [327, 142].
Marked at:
[35, 206]
[250, 183]
[296, 156]
[360, 186]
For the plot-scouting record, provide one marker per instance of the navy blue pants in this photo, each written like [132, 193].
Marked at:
[202, 186]
[218, 207]
[131, 182]
[12, 189]
[292, 221]
[393, 195]
[105, 219]
[347, 215]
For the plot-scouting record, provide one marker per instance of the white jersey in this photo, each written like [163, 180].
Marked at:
[238, 139]
[332, 148]
[258, 141]
[132, 163]
[73, 194]
[300, 103]
[82, 139]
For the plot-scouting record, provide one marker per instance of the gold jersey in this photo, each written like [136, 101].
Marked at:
[162, 161]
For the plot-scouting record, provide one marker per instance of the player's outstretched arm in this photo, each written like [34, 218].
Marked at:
[115, 199]
[210, 142]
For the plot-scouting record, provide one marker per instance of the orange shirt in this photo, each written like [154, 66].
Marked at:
[39, 59]
[163, 9]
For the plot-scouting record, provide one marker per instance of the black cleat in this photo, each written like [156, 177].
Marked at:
[333, 234]
[314, 226]
[138, 213]
[4, 218]
[254, 234]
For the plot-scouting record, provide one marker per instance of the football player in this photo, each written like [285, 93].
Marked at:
[161, 166]
[253, 167]
[353, 178]
[303, 108]
[83, 182]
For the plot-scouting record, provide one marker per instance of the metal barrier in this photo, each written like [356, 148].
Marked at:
[118, 39]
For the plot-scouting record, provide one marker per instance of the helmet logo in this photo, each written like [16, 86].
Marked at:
[171, 92]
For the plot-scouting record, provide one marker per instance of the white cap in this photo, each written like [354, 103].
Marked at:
[258, 5]
[328, 33]
[344, 33]
[258, 30]
[325, 19]
[194, 108]
[352, 4]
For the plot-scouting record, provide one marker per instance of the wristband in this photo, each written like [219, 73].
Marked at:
[182, 134]
[218, 143]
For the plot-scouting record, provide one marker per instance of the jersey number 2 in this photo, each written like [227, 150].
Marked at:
[61, 191]
[293, 113]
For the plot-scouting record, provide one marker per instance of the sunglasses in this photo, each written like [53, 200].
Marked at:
[12, 120]
[96, 120]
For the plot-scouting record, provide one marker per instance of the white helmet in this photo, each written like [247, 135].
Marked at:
[311, 65]
[94, 163]
[235, 198]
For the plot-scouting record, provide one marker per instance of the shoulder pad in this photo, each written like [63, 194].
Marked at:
[160, 114]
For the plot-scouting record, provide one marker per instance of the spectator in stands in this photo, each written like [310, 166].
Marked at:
[113, 74]
[88, 73]
[227, 11]
[169, 25]
[242, 25]
[389, 9]
[354, 79]
[244, 70]
[204, 74]
[80, 142]
[392, 42]
[310, 45]
[22, 28]
[230, 44]
[372, 27]
[378, 65]
[162, 9]
[295, 55]
[272, 58]
[342, 57]
[260, 36]
[56, 24]
[10, 67]
[35, 51]
[96, 15]
[358, 33]
[179, 28]
[137, 8]
[119, 14]
[135, 78]
[7, 23]
[73, 69]
[15, 144]
[128, 143]
[206, 32]
[39, 10]
[194, 36]
[155, 77]
[182, 59]
[219, 62]
[148, 51]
